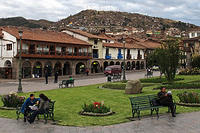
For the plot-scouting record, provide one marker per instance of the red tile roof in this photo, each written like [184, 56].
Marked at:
[121, 45]
[83, 33]
[43, 35]
[151, 44]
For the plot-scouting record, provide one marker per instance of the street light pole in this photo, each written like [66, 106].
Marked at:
[124, 65]
[20, 63]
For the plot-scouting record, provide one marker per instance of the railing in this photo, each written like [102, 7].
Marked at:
[54, 53]
[120, 56]
[108, 56]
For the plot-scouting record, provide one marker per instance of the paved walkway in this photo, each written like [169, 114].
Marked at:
[183, 123]
[39, 84]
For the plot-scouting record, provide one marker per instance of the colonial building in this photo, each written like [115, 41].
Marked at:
[109, 51]
[191, 47]
[42, 50]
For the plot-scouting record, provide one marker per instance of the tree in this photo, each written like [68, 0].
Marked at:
[195, 61]
[167, 57]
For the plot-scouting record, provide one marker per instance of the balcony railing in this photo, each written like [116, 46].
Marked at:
[108, 56]
[54, 53]
[120, 56]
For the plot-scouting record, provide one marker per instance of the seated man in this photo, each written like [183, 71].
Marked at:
[29, 102]
[165, 99]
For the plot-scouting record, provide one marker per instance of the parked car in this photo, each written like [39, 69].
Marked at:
[112, 70]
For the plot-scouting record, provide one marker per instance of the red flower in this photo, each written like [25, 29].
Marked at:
[97, 104]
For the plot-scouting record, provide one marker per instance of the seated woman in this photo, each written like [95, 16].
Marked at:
[43, 106]
[29, 102]
[165, 99]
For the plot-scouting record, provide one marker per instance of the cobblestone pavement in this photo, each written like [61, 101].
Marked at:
[183, 123]
[32, 85]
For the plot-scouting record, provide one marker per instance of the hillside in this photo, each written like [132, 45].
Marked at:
[94, 21]
[20, 21]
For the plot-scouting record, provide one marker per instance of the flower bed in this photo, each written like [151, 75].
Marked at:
[190, 99]
[96, 109]
[12, 101]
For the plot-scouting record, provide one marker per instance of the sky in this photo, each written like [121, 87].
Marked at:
[54, 10]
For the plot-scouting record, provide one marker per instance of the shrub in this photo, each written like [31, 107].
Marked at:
[180, 86]
[96, 107]
[193, 71]
[118, 86]
[12, 100]
[158, 80]
[189, 97]
[195, 61]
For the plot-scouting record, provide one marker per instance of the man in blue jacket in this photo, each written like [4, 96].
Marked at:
[29, 102]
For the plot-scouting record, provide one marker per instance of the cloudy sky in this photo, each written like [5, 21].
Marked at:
[54, 10]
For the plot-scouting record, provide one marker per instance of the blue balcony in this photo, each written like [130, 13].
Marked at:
[108, 56]
[120, 56]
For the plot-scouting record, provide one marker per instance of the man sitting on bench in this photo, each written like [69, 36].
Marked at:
[29, 102]
[165, 99]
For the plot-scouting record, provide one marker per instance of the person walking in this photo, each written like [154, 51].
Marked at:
[87, 71]
[56, 77]
[46, 76]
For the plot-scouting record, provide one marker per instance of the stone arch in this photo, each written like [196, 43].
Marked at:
[137, 65]
[58, 68]
[67, 70]
[142, 65]
[80, 68]
[37, 69]
[95, 67]
[7, 73]
[128, 67]
[7, 63]
[122, 65]
[117, 63]
[112, 63]
[26, 69]
[48, 67]
[105, 64]
[133, 65]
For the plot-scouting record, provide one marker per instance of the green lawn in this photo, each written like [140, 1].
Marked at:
[69, 102]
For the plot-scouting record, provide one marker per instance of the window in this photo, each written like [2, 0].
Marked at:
[95, 42]
[107, 51]
[9, 47]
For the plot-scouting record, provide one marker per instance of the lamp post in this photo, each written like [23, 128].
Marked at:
[124, 65]
[20, 62]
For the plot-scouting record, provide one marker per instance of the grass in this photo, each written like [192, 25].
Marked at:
[69, 102]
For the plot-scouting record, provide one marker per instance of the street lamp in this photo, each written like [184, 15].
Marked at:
[20, 62]
[124, 65]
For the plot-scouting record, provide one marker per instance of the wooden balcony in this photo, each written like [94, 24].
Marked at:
[55, 55]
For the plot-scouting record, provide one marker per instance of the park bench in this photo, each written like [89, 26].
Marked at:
[116, 77]
[47, 114]
[66, 83]
[146, 103]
